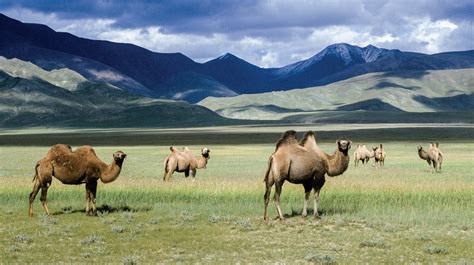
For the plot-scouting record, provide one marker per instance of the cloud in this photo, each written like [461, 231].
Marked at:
[266, 33]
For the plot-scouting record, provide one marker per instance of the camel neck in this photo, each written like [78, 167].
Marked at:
[423, 154]
[110, 172]
[202, 162]
[337, 163]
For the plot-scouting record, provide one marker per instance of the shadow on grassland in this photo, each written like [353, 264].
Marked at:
[105, 208]
[160, 138]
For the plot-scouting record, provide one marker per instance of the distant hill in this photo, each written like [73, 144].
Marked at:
[393, 92]
[31, 96]
[175, 76]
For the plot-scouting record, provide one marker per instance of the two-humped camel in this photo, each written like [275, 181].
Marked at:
[74, 168]
[379, 155]
[302, 163]
[433, 156]
[184, 161]
[362, 154]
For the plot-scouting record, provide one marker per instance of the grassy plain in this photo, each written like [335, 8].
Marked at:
[398, 214]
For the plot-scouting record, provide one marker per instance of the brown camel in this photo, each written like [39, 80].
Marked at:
[362, 154]
[184, 161]
[74, 168]
[379, 155]
[432, 157]
[302, 163]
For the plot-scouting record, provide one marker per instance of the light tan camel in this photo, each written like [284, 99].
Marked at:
[362, 154]
[302, 163]
[432, 157]
[74, 168]
[184, 161]
[379, 155]
[441, 155]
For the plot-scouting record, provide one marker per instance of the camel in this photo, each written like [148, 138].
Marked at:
[184, 161]
[302, 163]
[74, 168]
[362, 154]
[441, 155]
[433, 156]
[379, 155]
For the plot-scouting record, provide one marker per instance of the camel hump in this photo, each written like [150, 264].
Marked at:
[186, 148]
[307, 136]
[289, 137]
[173, 149]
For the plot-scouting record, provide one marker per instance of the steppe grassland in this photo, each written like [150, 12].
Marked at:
[401, 213]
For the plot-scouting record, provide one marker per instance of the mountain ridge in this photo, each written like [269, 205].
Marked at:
[174, 75]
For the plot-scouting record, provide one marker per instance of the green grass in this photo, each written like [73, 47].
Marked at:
[398, 214]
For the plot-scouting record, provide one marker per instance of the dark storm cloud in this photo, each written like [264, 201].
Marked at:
[269, 33]
[202, 16]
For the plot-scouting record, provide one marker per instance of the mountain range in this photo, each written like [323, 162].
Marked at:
[374, 94]
[31, 96]
[175, 76]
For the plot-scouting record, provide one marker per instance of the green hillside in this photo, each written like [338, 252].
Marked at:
[376, 93]
[31, 96]
[64, 77]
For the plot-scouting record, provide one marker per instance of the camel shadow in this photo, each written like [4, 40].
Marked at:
[102, 209]
[322, 212]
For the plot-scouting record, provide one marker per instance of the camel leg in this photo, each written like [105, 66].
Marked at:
[36, 188]
[276, 198]
[307, 191]
[88, 198]
[44, 193]
[193, 174]
[93, 192]
[266, 198]
[318, 184]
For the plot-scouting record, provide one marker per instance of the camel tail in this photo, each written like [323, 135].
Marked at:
[166, 165]
[36, 171]
[270, 161]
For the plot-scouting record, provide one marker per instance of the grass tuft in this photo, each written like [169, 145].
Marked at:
[130, 260]
[434, 250]
[23, 238]
[118, 229]
[374, 243]
[91, 239]
[321, 258]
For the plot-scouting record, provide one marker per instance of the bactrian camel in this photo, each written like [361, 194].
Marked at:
[362, 154]
[434, 156]
[302, 163]
[184, 161]
[74, 168]
[379, 155]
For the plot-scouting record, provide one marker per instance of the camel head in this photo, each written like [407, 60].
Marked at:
[344, 145]
[420, 148]
[119, 156]
[205, 152]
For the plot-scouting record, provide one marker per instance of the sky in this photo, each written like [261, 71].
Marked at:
[266, 33]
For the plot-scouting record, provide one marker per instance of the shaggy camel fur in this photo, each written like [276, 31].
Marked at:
[74, 168]
[379, 155]
[362, 154]
[184, 161]
[433, 157]
[302, 163]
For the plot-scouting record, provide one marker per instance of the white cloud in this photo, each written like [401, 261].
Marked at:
[432, 33]
[279, 44]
